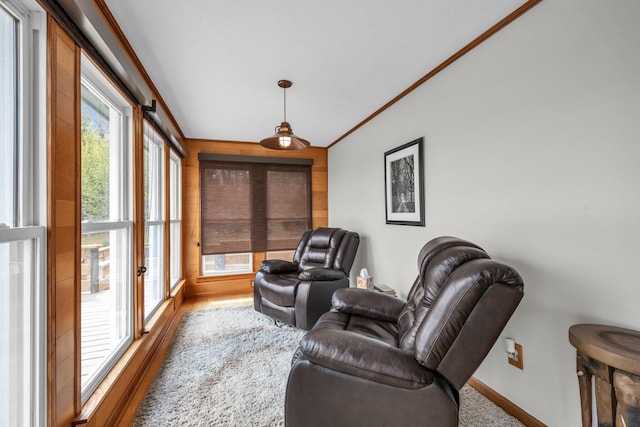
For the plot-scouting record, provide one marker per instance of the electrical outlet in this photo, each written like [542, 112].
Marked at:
[518, 361]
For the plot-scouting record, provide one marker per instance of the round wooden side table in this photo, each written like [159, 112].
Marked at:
[611, 356]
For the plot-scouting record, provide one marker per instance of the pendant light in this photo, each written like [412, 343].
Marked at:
[284, 139]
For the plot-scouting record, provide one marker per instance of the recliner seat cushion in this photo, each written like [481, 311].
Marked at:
[365, 358]
[284, 314]
[379, 330]
[280, 290]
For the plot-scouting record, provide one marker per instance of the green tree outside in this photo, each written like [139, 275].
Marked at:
[95, 167]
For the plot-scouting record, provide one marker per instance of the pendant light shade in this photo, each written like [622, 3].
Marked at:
[284, 139]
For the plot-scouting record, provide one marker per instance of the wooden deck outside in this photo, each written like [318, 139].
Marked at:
[97, 323]
[95, 331]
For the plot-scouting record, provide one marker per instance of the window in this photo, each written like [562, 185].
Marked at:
[213, 265]
[154, 291]
[175, 219]
[22, 234]
[8, 112]
[107, 228]
[251, 205]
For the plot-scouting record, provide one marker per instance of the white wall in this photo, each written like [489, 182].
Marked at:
[532, 150]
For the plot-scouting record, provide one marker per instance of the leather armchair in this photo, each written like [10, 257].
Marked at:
[298, 292]
[375, 360]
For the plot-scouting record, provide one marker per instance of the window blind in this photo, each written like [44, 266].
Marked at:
[253, 206]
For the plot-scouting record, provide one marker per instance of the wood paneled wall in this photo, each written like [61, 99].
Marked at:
[63, 237]
[235, 284]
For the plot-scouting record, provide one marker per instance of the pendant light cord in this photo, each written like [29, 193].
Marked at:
[285, 104]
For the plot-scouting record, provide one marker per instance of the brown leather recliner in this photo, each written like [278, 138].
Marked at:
[299, 292]
[375, 360]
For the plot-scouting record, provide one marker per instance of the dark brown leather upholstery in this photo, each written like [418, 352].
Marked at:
[299, 292]
[375, 360]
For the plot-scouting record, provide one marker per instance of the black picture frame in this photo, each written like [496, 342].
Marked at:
[404, 184]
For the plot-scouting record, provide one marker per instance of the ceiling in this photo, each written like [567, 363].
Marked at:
[216, 63]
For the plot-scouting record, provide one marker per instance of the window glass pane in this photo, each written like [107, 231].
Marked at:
[176, 253]
[22, 260]
[174, 190]
[95, 157]
[153, 175]
[154, 276]
[107, 239]
[8, 115]
[106, 299]
[226, 264]
[16, 353]
[154, 224]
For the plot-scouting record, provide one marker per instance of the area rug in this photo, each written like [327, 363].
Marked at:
[229, 367]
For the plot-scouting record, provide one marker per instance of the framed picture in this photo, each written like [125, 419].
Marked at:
[404, 184]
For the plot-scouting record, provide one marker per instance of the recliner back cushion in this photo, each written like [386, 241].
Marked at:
[459, 297]
[346, 252]
[302, 244]
[436, 262]
[321, 248]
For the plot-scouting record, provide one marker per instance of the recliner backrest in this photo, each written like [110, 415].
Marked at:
[436, 260]
[302, 244]
[333, 248]
[460, 299]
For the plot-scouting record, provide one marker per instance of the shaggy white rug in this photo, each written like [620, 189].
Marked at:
[229, 367]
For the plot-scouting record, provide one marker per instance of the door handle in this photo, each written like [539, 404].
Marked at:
[142, 270]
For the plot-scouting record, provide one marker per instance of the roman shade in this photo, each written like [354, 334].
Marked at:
[250, 205]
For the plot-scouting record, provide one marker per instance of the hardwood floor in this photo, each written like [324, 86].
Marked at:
[203, 303]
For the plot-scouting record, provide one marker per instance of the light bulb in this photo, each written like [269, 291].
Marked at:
[285, 141]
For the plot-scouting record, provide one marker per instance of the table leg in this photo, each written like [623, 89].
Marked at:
[584, 381]
[627, 388]
[605, 403]
[604, 392]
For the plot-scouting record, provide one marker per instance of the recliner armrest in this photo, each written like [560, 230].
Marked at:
[321, 274]
[364, 357]
[278, 266]
[366, 303]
